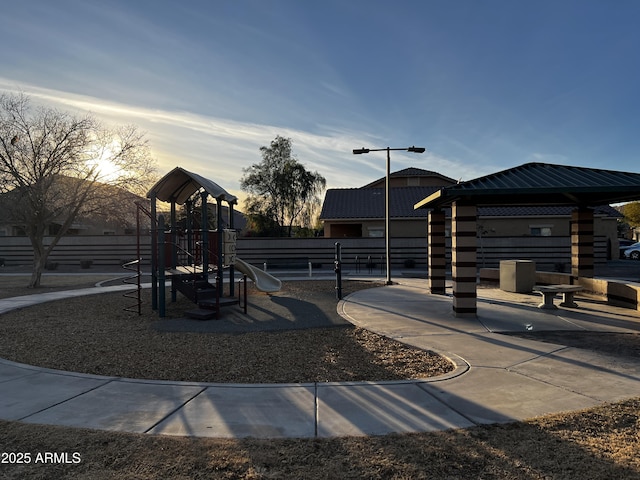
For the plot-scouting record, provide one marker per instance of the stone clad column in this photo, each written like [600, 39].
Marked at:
[436, 249]
[464, 259]
[582, 252]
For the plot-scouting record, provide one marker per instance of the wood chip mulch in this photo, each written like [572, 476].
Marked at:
[93, 334]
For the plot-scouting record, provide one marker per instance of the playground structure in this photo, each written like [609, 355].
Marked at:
[190, 255]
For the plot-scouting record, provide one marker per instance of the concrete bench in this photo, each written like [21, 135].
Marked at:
[549, 292]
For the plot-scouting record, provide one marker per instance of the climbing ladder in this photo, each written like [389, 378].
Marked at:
[134, 266]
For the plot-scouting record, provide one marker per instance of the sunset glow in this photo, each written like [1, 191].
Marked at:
[103, 162]
[484, 86]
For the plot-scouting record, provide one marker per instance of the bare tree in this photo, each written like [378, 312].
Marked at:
[55, 167]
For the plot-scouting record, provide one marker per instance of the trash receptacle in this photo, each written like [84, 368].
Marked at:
[518, 276]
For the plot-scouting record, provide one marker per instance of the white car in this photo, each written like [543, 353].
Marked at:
[633, 252]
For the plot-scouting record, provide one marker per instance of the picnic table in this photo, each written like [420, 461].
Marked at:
[549, 292]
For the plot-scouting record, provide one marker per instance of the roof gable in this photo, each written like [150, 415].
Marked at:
[413, 172]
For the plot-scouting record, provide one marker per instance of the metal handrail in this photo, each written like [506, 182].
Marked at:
[193, 259]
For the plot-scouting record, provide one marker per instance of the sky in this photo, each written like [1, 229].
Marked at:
[482, 85]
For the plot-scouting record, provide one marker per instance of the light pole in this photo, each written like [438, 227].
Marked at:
[359, 151]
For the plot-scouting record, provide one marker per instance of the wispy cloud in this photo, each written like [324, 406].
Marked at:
[215, 146]
[220, 148]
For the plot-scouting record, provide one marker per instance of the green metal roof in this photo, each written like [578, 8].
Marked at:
[541, 184]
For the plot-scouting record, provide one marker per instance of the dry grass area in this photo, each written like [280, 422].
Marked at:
[598, 443]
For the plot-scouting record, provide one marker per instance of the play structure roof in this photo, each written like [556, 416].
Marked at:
[179, 185]
[541, 184]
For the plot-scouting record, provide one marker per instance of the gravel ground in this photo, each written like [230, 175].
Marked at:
[599, 443]
[295, 335]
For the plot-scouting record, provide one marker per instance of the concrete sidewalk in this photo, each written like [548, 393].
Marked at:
[498, 378]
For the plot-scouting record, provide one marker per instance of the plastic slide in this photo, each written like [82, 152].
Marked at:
[263, 281]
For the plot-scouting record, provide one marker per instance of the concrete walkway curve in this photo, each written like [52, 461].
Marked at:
[498, 378]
